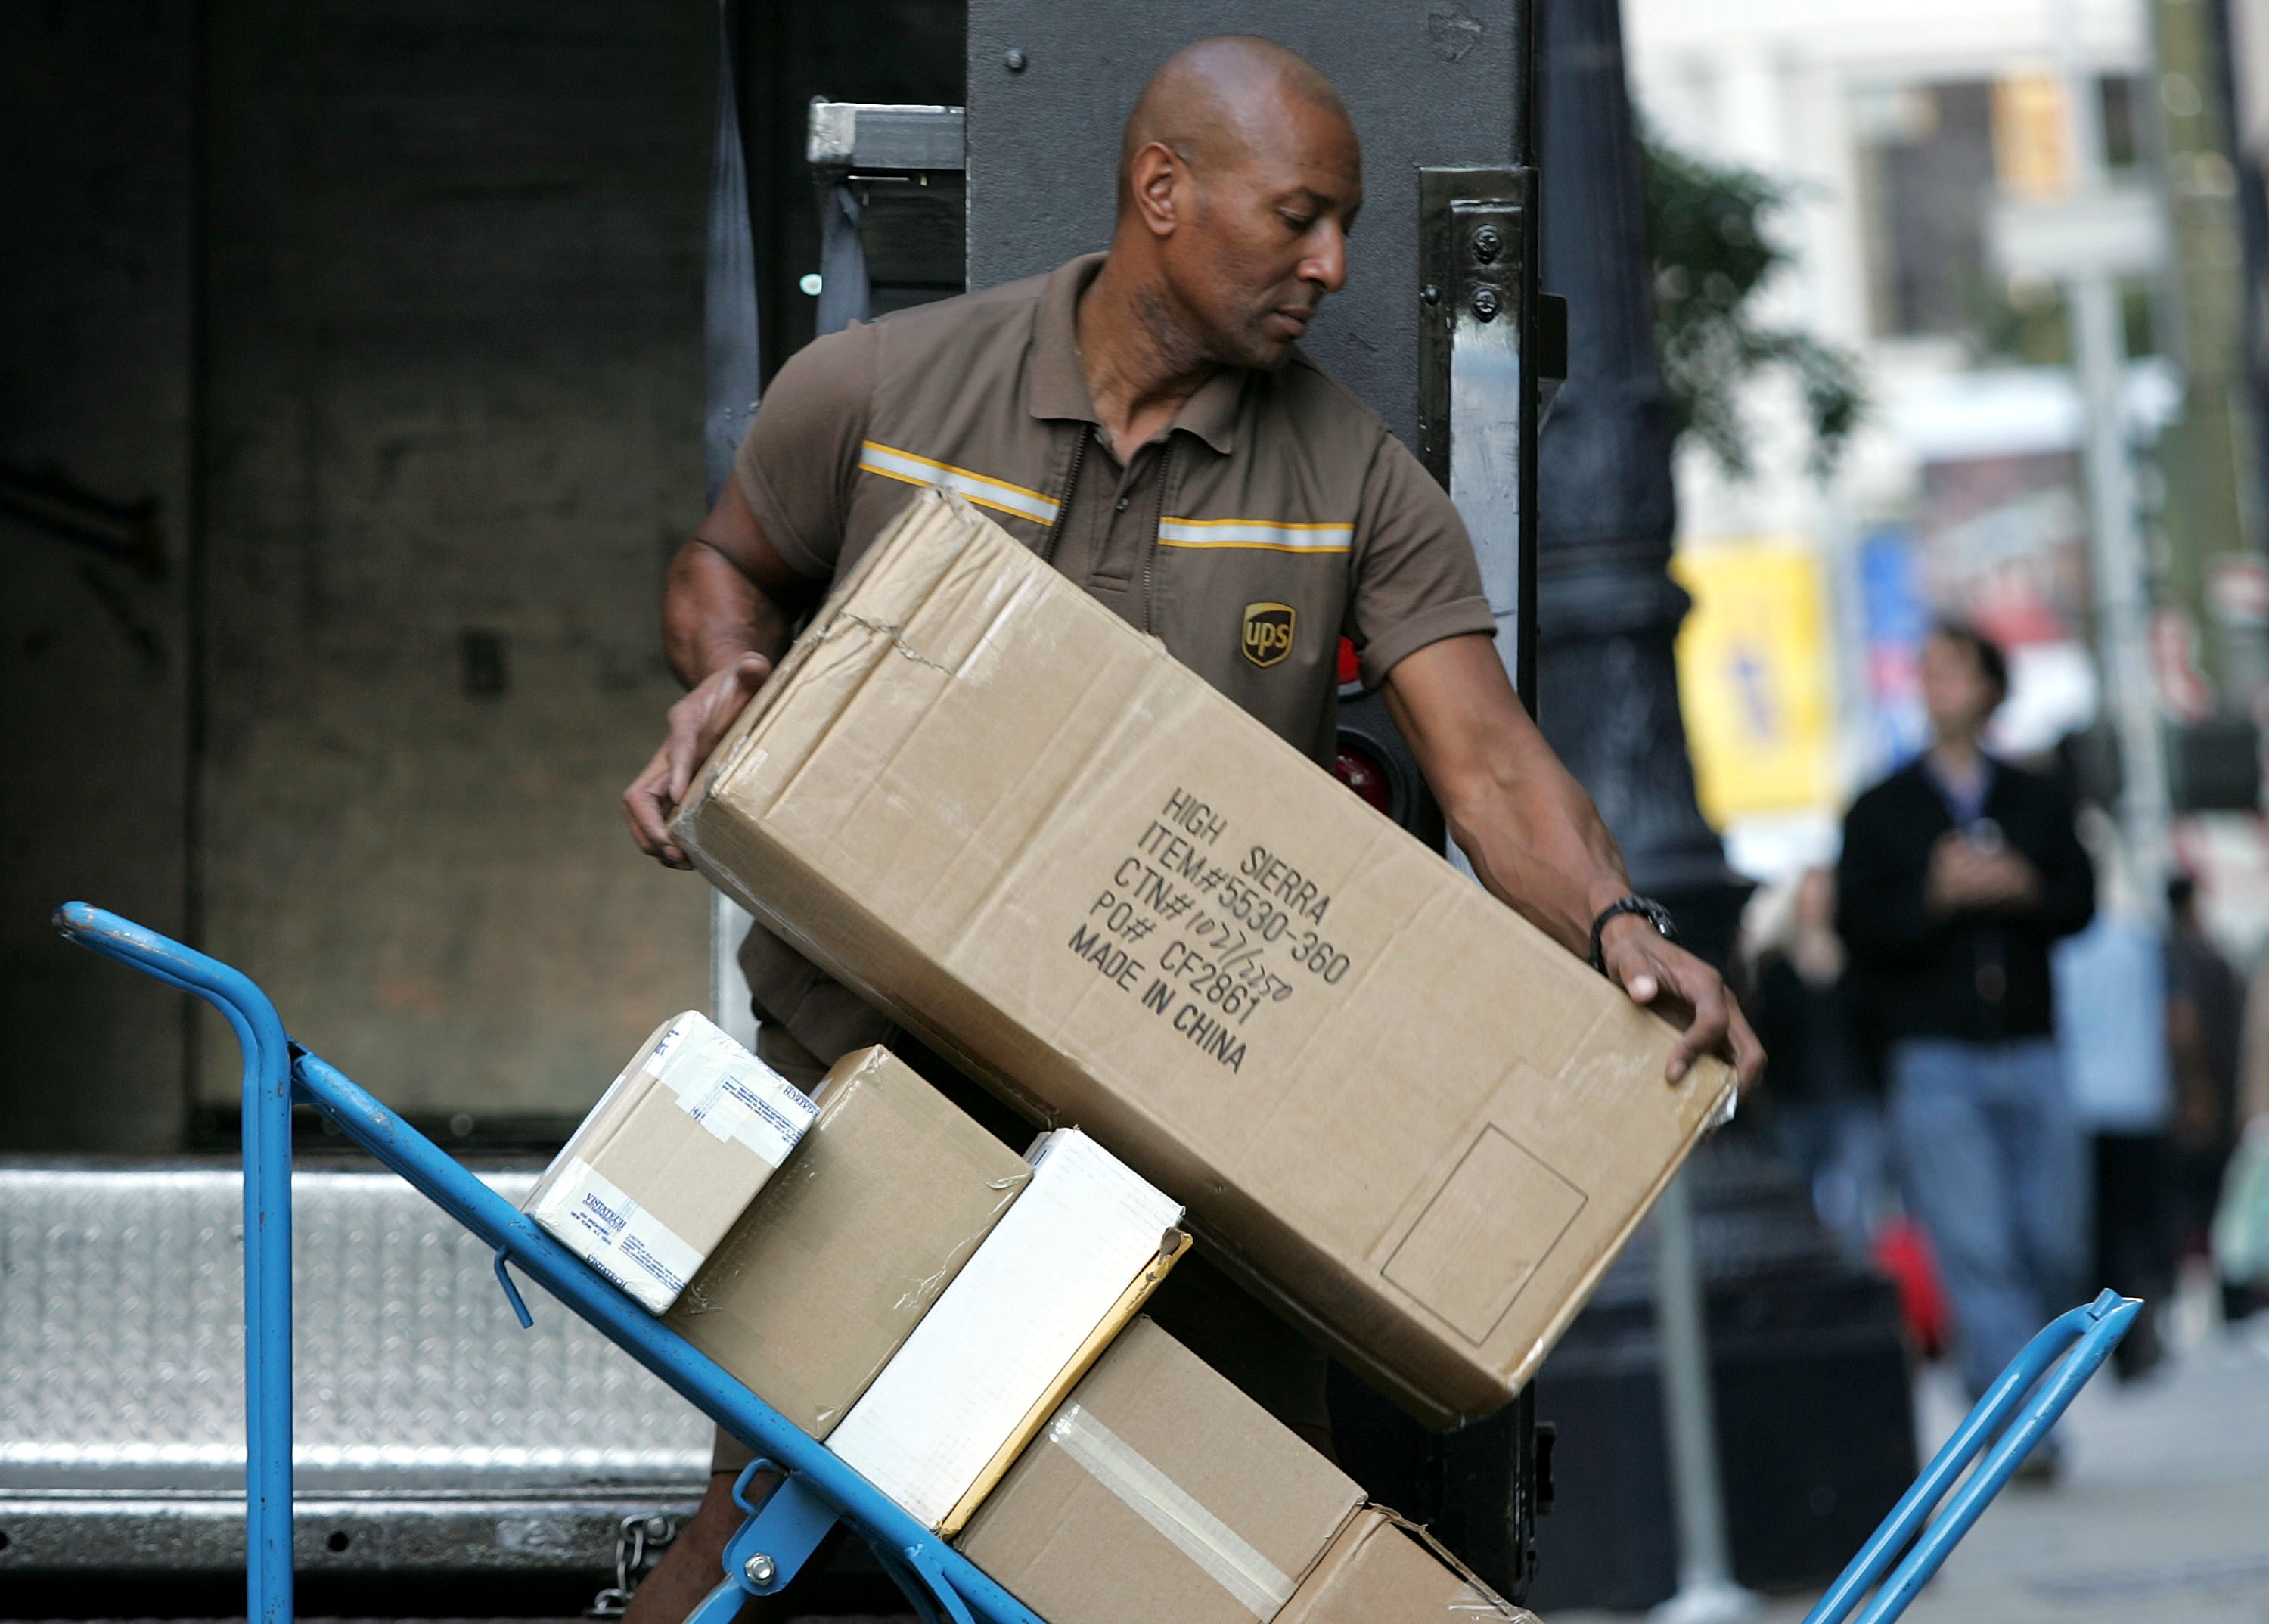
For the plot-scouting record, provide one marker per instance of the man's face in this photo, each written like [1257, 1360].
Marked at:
[1956, 690]
[1267, 238]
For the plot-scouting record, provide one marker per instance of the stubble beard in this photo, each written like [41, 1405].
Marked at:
[1179, 350]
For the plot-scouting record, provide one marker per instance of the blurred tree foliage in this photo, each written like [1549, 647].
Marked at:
[1705, 227]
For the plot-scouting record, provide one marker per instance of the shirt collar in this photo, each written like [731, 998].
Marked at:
[1057, 387]
[1965, 803]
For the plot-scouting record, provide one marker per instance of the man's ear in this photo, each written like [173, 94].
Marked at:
[1160, 185]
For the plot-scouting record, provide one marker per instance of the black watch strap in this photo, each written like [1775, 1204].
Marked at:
[1652, 911]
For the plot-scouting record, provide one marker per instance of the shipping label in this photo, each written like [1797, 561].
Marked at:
[605, 1227]
[1204, 930]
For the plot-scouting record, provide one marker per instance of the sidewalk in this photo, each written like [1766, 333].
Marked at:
[2163, 1514]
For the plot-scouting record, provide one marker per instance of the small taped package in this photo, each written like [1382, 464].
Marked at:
[837, 1261]
[1159, 1491]
[1384, 1569]
[670, 1155]
[1061, 1274]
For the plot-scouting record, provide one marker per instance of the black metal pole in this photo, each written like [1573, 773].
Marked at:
[1607, 616]
[1609, 611]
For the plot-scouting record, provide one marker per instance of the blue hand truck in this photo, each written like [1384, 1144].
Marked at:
[813, 1490]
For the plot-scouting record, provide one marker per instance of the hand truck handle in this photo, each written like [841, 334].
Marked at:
[2090, 1333]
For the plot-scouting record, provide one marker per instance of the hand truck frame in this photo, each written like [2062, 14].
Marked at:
[815, 1490]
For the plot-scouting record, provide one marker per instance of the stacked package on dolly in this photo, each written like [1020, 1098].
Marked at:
[1061, 1274]
[674, 1150]
[1158, 1491]
[839, 1258]
[908, 1289]
[949, 1317]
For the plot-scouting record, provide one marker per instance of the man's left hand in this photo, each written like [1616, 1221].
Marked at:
[1666, 978]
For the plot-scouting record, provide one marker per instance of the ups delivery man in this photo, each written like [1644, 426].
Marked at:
[1144, 419]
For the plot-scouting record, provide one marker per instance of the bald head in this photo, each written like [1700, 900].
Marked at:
[1222, 102]
[1239, 178]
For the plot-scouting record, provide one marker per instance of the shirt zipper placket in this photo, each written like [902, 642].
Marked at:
[1157, 522]
[1071, 489]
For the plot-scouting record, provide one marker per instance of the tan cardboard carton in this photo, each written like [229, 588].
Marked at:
[1159, 1491]
[668, 1158]
[1002, 812]
[839, 1258]
[1061, 1274]
[1382, 1571]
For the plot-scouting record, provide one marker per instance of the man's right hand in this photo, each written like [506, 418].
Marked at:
[696, 723]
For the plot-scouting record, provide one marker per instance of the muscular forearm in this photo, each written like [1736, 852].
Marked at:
[1533, 837]
[712, 614]
[1537, 845]
[727, 609]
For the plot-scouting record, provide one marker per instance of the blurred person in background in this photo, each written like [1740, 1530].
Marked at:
[2112, 1015]
[2245, 1290]
[2253, 1052]
[1822, 1103]
[1959, 873]
[2205, 1043]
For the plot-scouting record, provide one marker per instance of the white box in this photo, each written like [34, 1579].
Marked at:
[1066, 1267]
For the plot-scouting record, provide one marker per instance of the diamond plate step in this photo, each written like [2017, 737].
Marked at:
[430, 1428]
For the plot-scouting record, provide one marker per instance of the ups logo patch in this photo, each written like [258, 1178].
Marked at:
[1268, 634]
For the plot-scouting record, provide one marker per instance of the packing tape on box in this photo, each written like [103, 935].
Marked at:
[1480, 1601]
[1259, 1585]
[617, 1236]
[731, 1093]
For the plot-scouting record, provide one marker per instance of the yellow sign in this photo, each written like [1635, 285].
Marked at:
[2032, 149]
[1754, 679]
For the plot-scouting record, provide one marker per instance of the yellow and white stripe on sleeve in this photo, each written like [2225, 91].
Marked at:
[982, 489]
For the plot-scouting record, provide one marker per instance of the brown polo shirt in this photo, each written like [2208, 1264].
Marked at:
[1273, 515]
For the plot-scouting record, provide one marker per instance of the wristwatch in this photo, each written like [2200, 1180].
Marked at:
[1652, 911]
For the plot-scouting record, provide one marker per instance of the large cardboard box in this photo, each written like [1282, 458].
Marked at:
[1383, 1570]
[999, 811]
[672, 1153]
[1061, 1274]
[1159, 1491]
[839, 1258]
